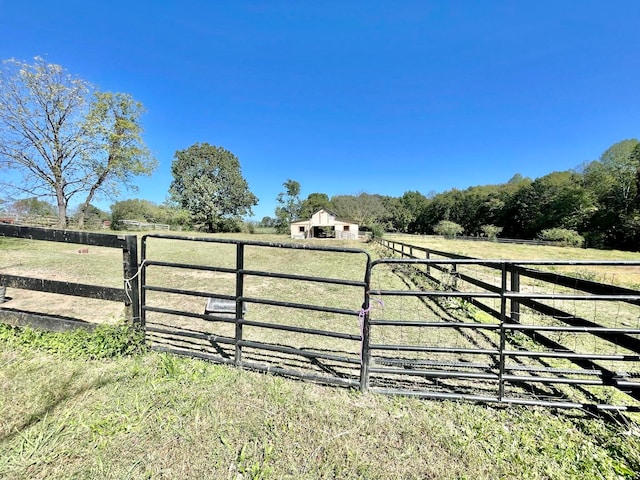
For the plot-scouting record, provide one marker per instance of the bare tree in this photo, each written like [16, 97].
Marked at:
[63, 138]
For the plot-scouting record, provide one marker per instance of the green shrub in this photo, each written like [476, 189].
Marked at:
[562, 236]
[448, 229]
[377, 231]
[249, 227]
[491, 231]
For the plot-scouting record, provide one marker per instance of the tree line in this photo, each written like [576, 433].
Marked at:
[598, 203]
[65, 139]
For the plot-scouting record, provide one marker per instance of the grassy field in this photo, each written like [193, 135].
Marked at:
[627, 276]
[67, 414]
[74, 407]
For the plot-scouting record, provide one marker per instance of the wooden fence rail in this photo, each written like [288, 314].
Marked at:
[128, 294]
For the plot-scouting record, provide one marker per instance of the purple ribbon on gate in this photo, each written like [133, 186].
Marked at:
[361, 314]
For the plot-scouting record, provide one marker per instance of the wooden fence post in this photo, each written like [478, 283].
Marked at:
[131, 280]
[515, 288]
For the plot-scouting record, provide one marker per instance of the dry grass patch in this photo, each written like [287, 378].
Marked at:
[625, 276]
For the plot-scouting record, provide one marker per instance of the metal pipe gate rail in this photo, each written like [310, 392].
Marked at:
[445, 326]
[529, 336]
[260, 330]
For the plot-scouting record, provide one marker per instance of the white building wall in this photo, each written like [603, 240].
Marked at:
[295, 229]
[324, 219]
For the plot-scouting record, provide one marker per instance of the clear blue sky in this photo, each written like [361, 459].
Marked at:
[355, 96]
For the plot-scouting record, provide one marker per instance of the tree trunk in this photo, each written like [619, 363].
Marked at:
[62, 210]
[82, 213]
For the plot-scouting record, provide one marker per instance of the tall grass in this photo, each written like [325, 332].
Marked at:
[153, 415]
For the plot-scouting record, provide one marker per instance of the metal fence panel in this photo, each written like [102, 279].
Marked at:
[286, 308]
[505, 332]
[431, 324]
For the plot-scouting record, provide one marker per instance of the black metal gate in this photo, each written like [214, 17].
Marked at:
[503, 331]
[258, 305]
[443, 327]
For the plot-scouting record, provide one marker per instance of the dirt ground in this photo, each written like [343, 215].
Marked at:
[85, 309]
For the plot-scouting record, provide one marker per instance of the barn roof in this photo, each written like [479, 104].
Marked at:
[339, 219]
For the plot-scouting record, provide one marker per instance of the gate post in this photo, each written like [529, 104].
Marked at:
[503, 340]
[364, 349]
[365, 331]
[131, 282]
[428, 257]
[515, 288]
[239, 303]
[454, 275]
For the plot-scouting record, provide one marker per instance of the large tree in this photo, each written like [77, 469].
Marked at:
[365, 208]
[207, 182]
[614, 176]
[557, 200]
[313, 203]
[288, 208]
[118, 152]
[63, 139]
[613, 179]
[412, 204]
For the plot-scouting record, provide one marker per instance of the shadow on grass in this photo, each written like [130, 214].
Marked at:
[63, 393]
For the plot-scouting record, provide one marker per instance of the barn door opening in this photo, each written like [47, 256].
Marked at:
[324, 232]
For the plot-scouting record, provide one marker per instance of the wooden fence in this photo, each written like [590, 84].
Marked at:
[128, 294]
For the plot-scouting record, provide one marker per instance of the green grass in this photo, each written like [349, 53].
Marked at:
[95, 405]
[105, 341]
[157, 416]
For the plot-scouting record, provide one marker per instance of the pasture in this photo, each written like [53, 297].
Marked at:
[629, 277]
[334, 434]
[66, 414]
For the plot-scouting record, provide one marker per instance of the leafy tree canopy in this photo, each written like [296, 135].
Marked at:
[288, 208]
[447, 228]
[149, 212]
[208, 183]
[313, 203]
[32, 206]
[366, 209]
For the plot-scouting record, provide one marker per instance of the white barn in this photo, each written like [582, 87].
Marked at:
[324, 224]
